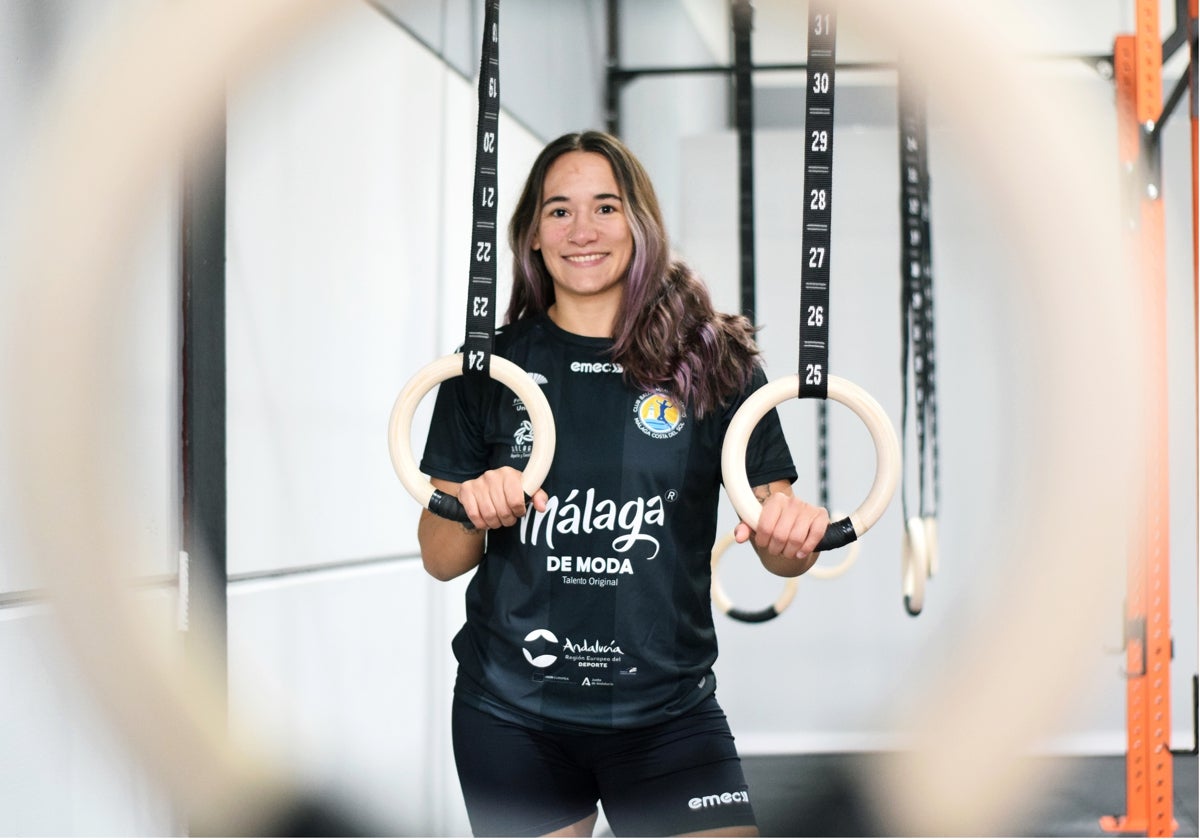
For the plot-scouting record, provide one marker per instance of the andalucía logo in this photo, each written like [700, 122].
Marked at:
[544, 660]
[658, 415]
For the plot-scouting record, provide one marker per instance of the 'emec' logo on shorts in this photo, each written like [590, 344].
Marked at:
[713, 800]
[658, 415]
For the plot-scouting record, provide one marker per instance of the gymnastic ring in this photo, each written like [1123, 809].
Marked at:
[931, 543]
[830, 572]
[887, 455]
[914, 565]
[722, 602]
[423, 381]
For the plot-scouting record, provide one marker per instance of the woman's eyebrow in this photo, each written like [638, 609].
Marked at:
[597, 197]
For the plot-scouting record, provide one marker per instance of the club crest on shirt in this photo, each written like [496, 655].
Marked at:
[658, 415]
[523, 440]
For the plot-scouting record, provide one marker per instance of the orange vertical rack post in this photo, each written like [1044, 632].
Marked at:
[1194, 96]
[1149, 773]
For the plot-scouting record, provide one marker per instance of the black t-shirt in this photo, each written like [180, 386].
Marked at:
[595, 614]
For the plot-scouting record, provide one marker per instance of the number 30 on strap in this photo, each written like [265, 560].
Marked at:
[887, 455]
[447, 367]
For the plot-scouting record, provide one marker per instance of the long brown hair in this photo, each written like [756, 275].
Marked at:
[667, 334]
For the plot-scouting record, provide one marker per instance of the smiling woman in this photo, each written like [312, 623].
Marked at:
[643, 376]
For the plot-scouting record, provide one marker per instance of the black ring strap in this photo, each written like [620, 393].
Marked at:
[481, 284]
[917, 352]
[817, 247]
[916, 271]
[817, 201]
[928, 411]
[823, 453]
[481, 290]
[743, 81]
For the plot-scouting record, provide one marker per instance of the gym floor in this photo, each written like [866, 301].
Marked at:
[817, 796]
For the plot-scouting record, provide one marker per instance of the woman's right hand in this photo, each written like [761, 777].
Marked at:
[492, 500]
[496, 498]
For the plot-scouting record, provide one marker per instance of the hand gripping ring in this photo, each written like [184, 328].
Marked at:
[721, 600]
[447, 367]
[887, 455]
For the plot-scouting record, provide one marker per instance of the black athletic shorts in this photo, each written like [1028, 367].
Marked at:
[673, 778]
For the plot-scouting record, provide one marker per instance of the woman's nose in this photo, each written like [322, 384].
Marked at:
[582, 232]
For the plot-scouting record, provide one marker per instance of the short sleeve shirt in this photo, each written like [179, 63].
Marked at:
[596, 613]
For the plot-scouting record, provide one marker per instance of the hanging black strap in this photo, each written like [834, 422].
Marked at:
[818, 201]
[743, 79]
[912, 236]
[823, 453]
[481, 291]
[481, 284]
[916, 272]
[927, 411]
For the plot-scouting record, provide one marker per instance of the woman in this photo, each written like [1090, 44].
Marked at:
[585, 662]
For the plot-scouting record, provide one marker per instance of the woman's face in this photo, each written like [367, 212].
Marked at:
[583, 231]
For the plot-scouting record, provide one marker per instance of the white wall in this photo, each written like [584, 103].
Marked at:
[64, 770]
[350, 171]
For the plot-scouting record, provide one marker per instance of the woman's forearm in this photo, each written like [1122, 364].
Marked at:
[448, 549]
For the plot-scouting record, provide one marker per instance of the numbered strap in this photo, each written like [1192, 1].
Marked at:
[481, 291]
[743, 24]
[818, 201]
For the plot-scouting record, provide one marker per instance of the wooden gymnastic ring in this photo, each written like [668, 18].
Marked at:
[914, 565]
[722, 602]
[887, 455]
[423, 381]
[931, 543]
